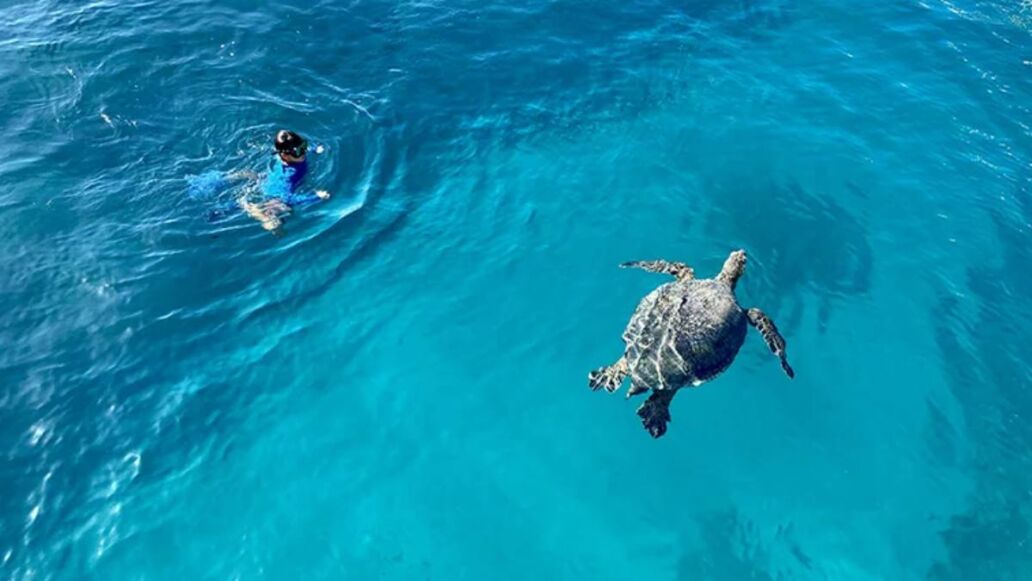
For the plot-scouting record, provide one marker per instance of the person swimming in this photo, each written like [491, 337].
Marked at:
[282, 183]
[279, 191]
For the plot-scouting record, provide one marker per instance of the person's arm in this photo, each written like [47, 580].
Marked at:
[206, 185]
[210, 184]
[268, 218]
[305, 199]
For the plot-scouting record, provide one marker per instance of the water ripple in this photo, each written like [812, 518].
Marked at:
[403, 368]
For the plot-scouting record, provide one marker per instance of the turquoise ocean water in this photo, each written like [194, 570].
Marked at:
[396, 387]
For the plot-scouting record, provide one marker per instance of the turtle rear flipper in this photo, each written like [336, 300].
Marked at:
[771, 336]
[608, 377]
[655, 412]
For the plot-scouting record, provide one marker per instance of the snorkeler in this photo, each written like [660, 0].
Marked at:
[279, 193]
[282, 183]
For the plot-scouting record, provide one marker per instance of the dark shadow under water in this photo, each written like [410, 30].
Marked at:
[987, 356]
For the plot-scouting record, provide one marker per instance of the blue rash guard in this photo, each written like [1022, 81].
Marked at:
[283, 181]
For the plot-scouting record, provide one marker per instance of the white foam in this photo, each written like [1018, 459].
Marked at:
[36, 432]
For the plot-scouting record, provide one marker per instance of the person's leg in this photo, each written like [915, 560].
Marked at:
[269, 220]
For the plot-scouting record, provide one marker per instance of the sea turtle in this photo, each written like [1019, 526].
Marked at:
[685, 332]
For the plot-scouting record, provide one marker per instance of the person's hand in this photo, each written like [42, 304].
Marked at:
[323, 194]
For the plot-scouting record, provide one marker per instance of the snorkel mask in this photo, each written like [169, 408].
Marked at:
[290, 143]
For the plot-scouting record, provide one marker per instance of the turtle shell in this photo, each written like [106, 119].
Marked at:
[684, 332]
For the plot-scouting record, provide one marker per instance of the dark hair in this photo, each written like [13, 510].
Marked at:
[290, 143]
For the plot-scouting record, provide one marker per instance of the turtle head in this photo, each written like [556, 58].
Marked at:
[733, 269]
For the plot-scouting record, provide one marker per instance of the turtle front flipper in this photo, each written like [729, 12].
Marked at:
[655, 412]
[608, 377]
[678, 270]
[771, 336]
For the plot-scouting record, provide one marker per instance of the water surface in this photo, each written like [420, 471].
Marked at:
[395, 388]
